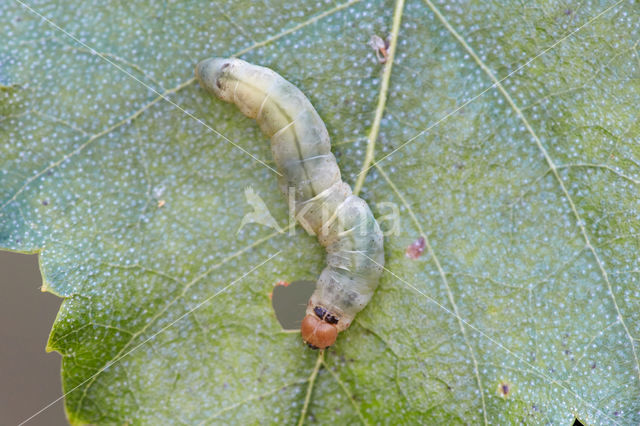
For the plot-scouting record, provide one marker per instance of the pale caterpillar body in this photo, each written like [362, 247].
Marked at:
[324, 204]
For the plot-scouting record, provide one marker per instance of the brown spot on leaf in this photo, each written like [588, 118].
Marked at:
[416, 248]
[504, 389]
[381, 48]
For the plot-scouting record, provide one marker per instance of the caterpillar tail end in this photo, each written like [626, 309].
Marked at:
[317, 333]
[209, 74]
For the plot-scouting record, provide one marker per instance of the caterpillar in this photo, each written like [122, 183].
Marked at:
[309, 175]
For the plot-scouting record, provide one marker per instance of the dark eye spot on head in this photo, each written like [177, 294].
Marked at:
[331, 319]
[218, 84]
[226, 65]
[320, 311]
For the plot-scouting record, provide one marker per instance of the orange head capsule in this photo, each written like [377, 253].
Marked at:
[317, 333]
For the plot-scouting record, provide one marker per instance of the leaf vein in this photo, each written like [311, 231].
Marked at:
[445, 281]
[554, 168]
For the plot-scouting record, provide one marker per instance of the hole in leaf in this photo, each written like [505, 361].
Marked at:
[290, 302]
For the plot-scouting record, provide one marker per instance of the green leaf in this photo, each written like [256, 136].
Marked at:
[507, 137]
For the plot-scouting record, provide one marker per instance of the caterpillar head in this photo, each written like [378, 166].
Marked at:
[213, 74]
[319, 328]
